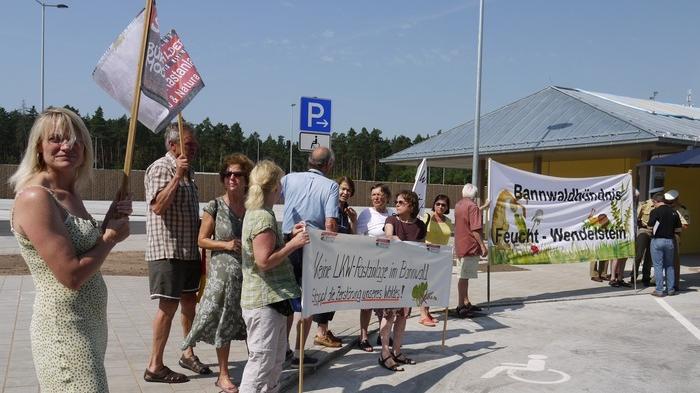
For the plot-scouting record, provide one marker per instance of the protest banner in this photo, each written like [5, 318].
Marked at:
[346, 272]
[544, 219]
[139, 66]
[170, 80]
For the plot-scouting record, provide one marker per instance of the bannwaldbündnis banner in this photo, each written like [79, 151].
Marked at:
[545, 219]
[345, 272]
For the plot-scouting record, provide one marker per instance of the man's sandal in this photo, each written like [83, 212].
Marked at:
[393, 367]
[402, 359]
[165, 375]
[193, 364]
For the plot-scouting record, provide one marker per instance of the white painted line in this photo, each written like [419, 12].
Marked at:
[680, 318]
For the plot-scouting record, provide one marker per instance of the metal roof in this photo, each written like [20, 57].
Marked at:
[560, 118]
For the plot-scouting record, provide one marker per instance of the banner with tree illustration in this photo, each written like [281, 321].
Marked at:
[544, 219]
[347, 272]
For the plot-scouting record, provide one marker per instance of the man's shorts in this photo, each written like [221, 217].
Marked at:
[170, 278]
[469, 266]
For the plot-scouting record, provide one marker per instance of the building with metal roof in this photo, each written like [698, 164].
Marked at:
[568, 132]
[560, 122]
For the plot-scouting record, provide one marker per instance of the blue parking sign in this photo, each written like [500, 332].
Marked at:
[315, 114]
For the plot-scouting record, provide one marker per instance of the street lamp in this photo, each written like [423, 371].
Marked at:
[43, 29]
[291, 135]
[257, 139]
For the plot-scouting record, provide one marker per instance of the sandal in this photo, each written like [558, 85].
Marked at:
[393, 367]
[403, 359]
[165, 375]
[232, 389]
[194, 364]
[427, 322]
[365, 346]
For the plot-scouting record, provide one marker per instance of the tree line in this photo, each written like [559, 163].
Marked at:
[357, 152]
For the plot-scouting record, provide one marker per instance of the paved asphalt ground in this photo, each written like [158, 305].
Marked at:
[550, 329]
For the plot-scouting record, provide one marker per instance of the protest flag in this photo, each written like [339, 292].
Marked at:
[152, 77]
[420, 184]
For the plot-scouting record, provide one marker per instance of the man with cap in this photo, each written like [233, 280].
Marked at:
[672, 199]
[665, 222]
[643, 240]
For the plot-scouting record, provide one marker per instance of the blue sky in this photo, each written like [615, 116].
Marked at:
[403, 66]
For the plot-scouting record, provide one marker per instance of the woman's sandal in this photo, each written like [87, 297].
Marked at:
[231, 389]
[165, 375]
[427, 322]
[393, 367]
[365, 346]
[403, 359]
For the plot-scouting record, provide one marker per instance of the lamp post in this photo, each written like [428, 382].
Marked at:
[43, 36]
[291, 135]
[257, 138]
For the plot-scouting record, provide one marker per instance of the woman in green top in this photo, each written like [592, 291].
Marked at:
[268, 280]
[219, 319]
[439, 231]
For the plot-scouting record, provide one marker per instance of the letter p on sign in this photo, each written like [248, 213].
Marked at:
[315, 114]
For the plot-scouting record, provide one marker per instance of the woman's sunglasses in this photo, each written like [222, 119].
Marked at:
[228, 174]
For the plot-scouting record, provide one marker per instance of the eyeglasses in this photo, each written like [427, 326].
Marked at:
[228, 174]
[400, 202]
[440, 204]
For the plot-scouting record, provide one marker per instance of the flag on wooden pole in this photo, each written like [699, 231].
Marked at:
[169, 77]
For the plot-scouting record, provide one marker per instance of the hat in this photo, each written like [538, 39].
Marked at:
[655, 190]
[671, 195]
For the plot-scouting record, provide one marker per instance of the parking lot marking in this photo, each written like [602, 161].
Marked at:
[680, 318]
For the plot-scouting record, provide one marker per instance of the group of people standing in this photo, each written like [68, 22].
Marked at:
[660, 222]
[254, 273]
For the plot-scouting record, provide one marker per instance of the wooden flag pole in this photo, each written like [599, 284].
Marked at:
[131, 139]
[183, 148]
[300, 333]
[444, 326]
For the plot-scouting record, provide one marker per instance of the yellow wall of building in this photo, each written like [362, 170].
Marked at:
[588, 168]
[685, 180]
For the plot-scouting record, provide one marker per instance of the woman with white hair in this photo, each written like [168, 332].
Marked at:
[64, 249]
[268, 280]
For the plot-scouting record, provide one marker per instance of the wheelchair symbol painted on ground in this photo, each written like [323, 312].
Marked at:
[535, 364]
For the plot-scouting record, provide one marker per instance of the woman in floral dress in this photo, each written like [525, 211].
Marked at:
[64, 249]
[219, 320]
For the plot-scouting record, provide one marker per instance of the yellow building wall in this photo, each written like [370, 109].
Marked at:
[588, 168]
[685, 180]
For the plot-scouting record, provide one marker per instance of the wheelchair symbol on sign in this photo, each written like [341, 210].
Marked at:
[535, 364]
[315, 143]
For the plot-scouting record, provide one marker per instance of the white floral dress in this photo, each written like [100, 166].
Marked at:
[219, 319]
[69, 327]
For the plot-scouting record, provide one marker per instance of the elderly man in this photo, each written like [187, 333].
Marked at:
[172, 254]
[311, 197]
[672, 198]
[469, 246]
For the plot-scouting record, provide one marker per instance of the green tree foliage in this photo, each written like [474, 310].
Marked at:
[358, 154]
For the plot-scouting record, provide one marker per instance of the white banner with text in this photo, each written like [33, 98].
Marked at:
[346, 272]
[544, 219]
